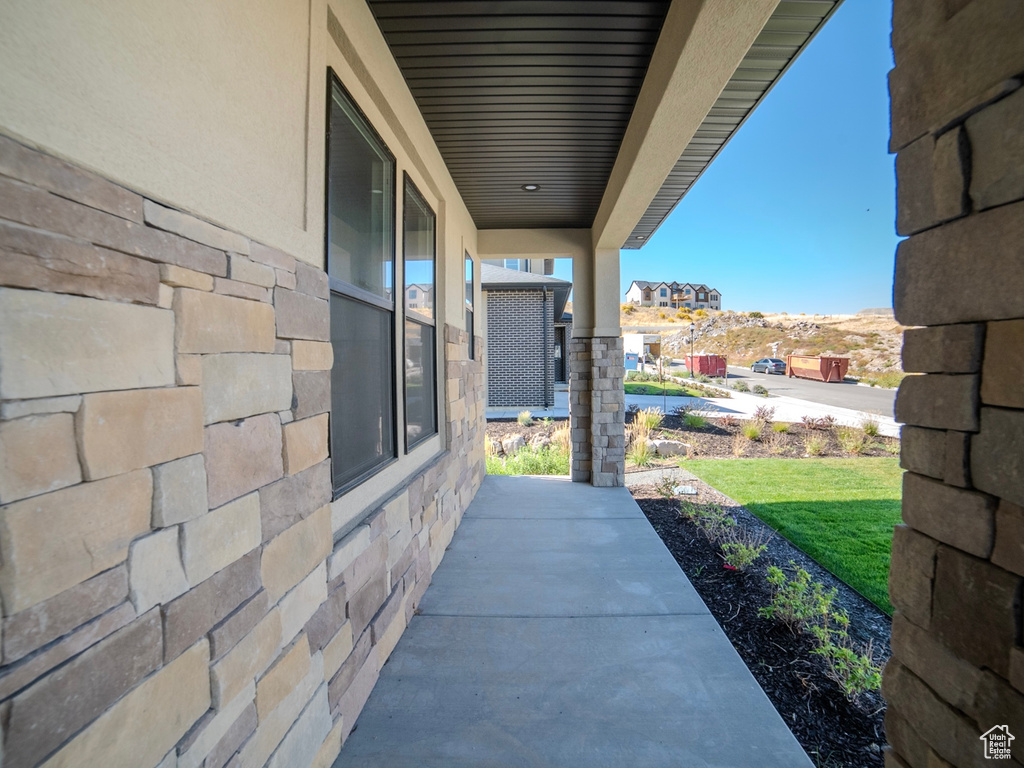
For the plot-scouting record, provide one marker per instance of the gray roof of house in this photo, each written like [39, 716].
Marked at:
[493, 277]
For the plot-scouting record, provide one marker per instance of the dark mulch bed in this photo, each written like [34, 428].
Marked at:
[719, 440]
[833, 731]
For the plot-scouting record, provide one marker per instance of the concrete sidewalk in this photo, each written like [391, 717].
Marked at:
[559, 631]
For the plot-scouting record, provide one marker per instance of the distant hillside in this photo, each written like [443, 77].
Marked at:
[871, 341]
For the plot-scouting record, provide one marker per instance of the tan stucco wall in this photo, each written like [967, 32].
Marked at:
[201, 105]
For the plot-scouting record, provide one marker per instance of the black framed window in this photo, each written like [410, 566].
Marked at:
[360, 244]
[419, 249]
[469, 307]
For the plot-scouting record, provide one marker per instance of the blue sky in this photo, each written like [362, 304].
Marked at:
[797, 213]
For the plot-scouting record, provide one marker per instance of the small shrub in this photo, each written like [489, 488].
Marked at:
[712, 521]
[755, 315]
[741, 386]
[751, 429]
[650, 418]
[632, 409]
[892, 447]
[739, 444]
[728, 420]
[815, 445]
[741, 547]
[639, 454]
[490, 446]
[525, 419]
[666, 488]
[764, 413]
[628, 308]
[561, 439]
[661, 315]
[796, 602]
[870, 426]
[695, 421]
[852, 440]
[775, 442]
[703, 378]
[760, 389]
[828, 422]
[780, 426]
[700, 313]
[530, 461]
[853, 670]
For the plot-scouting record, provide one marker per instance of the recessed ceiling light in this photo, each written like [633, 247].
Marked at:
[641, 237]
[531, 187]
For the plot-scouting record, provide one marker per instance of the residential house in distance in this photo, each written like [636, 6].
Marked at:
[674, 295]
[419, 296]
[527, 331]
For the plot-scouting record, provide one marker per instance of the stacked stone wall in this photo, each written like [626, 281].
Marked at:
[597, 402]
[173, 592]
[958, 560]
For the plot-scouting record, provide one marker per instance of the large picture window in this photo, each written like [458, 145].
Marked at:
[419, 228]
[361, 266]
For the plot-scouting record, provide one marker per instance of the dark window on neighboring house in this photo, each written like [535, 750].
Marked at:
[360, 210]
[469, 307]
[419, 247]
[664, 292]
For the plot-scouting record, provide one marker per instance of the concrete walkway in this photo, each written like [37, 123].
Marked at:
[559, 631]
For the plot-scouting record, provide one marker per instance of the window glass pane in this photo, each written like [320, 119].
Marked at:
[469, 280]
[360, 230]
[362, 383]
[420, 382]
[470, 331]
[418, 241]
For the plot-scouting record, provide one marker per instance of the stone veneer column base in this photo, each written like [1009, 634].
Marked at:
[597, 411]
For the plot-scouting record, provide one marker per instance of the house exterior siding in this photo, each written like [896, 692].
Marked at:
[673, 295]
[520, 366]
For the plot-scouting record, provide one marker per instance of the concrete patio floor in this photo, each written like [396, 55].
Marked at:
[559, 631]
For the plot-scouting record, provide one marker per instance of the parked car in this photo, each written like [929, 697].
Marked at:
[769, 365]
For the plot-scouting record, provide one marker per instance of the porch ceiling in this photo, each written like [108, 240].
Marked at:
[541, 92]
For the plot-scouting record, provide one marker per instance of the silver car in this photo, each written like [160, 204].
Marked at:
[769, 365]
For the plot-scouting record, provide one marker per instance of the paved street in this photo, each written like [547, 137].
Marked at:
[843, 394]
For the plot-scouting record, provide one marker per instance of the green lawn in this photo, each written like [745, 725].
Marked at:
[839, 511]
[655, 388]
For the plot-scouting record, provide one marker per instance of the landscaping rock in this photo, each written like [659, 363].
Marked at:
[540, 441]
[512, 444]
[671, 447]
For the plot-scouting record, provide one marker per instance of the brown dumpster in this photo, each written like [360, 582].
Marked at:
[817, 368]
[709, 365]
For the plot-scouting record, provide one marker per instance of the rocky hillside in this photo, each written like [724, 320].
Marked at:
[872, 342]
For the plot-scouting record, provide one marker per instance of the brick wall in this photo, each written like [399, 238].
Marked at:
[958, 561]
[172, 589]
[520, 369]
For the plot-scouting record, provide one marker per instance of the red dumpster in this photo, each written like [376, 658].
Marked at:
[709, 365]
[817, 368]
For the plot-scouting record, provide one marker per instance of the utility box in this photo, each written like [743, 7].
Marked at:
[817, 368]
[708, 365]
[631, 358]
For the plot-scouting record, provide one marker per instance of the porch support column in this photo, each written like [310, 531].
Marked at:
[596, 396]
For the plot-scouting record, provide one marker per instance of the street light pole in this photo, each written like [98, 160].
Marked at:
[692, 326]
